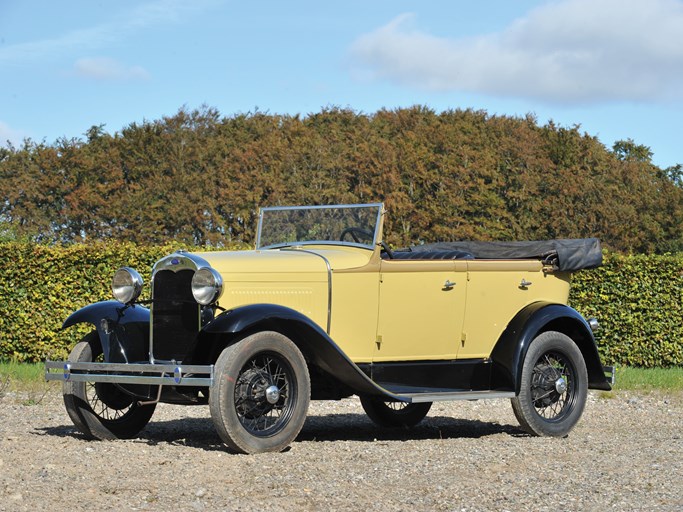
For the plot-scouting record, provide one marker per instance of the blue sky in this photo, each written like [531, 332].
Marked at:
[614, 67]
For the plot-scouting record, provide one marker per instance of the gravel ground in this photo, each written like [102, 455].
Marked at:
[625, 454]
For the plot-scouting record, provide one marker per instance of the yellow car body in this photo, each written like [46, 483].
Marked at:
[390, 310]
[323, 309]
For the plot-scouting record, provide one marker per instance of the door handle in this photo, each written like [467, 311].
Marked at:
[448, 285]
[525, 284]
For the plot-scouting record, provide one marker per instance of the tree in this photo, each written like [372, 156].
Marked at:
[199, 178]
[628, 150]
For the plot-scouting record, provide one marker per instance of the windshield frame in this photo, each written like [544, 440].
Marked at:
[368, 246]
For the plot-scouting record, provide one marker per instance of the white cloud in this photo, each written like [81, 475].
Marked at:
[567, 51]
[149, 14]
[104, 68]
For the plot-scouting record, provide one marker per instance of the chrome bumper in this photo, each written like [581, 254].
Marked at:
[610, 374]
[124, 373]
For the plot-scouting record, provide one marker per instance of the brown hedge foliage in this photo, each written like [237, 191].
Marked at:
[638, 299]
[199, 178]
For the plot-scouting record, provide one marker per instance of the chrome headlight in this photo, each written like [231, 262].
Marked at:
[207, 286]
[126, 285]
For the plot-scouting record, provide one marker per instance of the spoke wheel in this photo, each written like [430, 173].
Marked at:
[554, 386]
[264, 394]
[552, 382]
[261, 393]
[394, 414]
[102, 410]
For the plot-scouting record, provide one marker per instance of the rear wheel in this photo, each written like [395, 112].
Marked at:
[261, 393]
[101, 410]
[394, 414]
[554, 386]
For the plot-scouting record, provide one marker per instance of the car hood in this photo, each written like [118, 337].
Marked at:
[290, 260]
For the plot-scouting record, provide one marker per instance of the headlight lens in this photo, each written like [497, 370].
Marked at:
[207, 286]
[126, 285]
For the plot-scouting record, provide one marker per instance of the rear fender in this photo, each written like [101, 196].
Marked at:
[510, 350]
[123, 330]
[314, 343]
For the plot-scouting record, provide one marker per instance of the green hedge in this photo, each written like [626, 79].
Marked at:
[637, 299]
[41, 285]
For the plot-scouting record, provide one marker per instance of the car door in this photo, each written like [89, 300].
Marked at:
[421, 310]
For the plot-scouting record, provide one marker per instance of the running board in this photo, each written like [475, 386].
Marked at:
[203, 375]
[453, 395]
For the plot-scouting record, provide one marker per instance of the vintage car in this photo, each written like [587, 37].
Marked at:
[324, 309]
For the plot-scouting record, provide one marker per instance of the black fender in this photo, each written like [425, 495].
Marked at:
[123, 330]
[512, 346]
[314, 343]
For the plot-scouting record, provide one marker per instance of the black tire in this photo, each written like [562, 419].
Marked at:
[394, 414]
[554, 386]
[101, 410]
[260, 395]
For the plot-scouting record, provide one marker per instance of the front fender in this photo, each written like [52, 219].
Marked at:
[123, 330]
[510, 351]
[313, 342]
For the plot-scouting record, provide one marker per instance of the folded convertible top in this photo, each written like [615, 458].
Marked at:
[565, 254]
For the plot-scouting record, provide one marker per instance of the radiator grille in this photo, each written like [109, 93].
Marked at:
[175, 315]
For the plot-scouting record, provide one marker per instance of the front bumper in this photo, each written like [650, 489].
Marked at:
[131, 373]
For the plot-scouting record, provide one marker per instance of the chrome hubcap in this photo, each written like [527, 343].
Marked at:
[560, 385]
[272, 394]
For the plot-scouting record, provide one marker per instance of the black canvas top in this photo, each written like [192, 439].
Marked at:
[564, 254]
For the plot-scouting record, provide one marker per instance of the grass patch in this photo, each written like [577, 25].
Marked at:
[669, 379]
[26, 381]
[23, 372]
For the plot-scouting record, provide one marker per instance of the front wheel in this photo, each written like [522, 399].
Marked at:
[101, 410]
[260, 394]
[554, 386]
[394, 414]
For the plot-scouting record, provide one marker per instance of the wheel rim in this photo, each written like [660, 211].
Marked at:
[265, 394]
[397, 407]
[107, 401]
[553, 386]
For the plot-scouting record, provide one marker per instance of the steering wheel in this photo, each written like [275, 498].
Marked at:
[386, 250]
[356, 234]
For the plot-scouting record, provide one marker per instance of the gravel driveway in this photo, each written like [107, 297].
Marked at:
[625, 454]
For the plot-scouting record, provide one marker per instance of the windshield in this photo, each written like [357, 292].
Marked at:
[343, 224]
